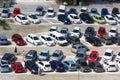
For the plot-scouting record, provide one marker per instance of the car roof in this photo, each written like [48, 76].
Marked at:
[111, 63]
[58, 51]
[76, 28]
[45, 62]
[101, 27]
[77, 45]
[21, 15]
[53, 27]
[45, 35]
[113, 28]
[5, 8]
[84, 8]
[17, 63]
[3, 37]
[108, 15]
[109, 50]
[32, 34]
[70, 61]
[50, 8]
[45, 51]
[94, 52]
[16, 8]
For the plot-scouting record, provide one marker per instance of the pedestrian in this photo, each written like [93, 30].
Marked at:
[15, 50]
[23, 53]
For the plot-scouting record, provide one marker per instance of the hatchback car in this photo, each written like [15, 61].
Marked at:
[5, 13]
[34, 39]
[45, 66]
[118, 57]
[84, 10]
[57, 55]
[101, 32]
[16, 11]
[106, 40]
[70, 65]
[4, 67]
[32, 66]
[64, 19]
[17, 67]
[104, 12]
[17, 38]
[39, 11]
[22, 19]
[9, 58]
[77, 32]
[44, 55]
[50, 12]
[110, 20]
[4, 40]
[113, 32]
[64, 31]
[115, 11]
[93, 57]
[53, 28]
[89, 32]
[31, 55]
[94, 11]
[97, 66]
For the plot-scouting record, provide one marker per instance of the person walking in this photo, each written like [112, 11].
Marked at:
[15, 50]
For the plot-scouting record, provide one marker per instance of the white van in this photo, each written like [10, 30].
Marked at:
[59, 38]
[61, 10]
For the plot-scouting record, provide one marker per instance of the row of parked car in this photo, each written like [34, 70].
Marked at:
[56, 62]
[67, 17]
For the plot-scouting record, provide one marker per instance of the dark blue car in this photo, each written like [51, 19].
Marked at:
[72, 11]
[57, 66]
[64, 19]
[104, 12]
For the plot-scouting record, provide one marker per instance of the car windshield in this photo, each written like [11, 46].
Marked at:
[19, 66]
[93, 55]
[55, 55]
[48, 39]
[3, 39]
[39, 9]
[35, 38]
[51, 11]
[61, 38]
[63, 31]
[61, 65]
[83, 64]
[23, 18]
[5, 11]
[76, 17]
[113, 31]
[29, 56]
[43, 54]
[107, 54]
[52, 30]
[73, 65]
[47, 65]
[19, 38]
[16, 11]
[110, 18]
[60, 10]
[103, 31]
[119, 54]
[4, 66]
[33, 17]
[99, 66]
[112, 65]
[100, 18]
[80, 55]
[76, 31]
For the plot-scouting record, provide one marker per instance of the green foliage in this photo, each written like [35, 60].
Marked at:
[4, 24]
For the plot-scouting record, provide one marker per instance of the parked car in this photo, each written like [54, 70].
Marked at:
[74, 18]
[93, 57]
[32, 66]
[110, 66]
[115, 11]
[90, 32]
[53, 28]
[118, 57]
[31, 55]
[72, 39]
[84, 10]
[64, 31]
[4, 67]
[117, 18]
[61, 10]
[57, 66]
[110, 20]
[83, 65]
[44, 55]
[32, 38]
[4, 40]
[18, 67]
[78, 47]
[98, 19]
[50, 12]
[39, 11]
[94, 41]
[97, 67]
[47, 40]
[17, 38]
[104, 12]
[22, 19]
[16, 11]
[77, 32]
[94, 11]
[86, 18]
[108, 55]
[101, 32]
[106, 40]
[113, 32]
[5, 13]
[9, 58]
[64, 19]
[57, 55]
[70, 65]
[33, 19]
[72, 11]
[45, 66]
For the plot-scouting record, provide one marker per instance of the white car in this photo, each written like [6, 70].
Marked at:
[113, 32]
[22, 19]
[53, 28]
[76, 31]
[50, 12]
[110, 66]
[32, 38]
[117, 17]
[33, 18]
[118, 57]
[47, 40]
[84, 10]
[108, 55]
[44, 65]
[74, 18]
[110, 20]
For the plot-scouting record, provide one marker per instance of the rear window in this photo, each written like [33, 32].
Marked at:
[47, 65]
[112, 65]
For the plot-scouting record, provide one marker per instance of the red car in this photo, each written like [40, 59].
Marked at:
[17, 67]
[93, 56]
[17, 38]
[16, 11]
[101, 32]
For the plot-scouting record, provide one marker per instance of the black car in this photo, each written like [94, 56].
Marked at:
[83, 65]
[106, 40]
[93, 40]
[115, 11]
[31, 55]
[89, 32]
[86, 18]
[32, 66]
[9, 58]
[72, 39]
[97, 66]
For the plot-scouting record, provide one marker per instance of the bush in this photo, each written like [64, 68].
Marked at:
[4, 24]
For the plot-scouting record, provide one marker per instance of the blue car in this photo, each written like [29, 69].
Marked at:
[4, 40]
[70, 65]
[4, 67]
[72, 11]
[104, 12]
[44, 55]
[57, 66]
[64, 19]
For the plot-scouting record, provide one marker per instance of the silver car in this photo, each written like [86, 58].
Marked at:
[5, 13]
